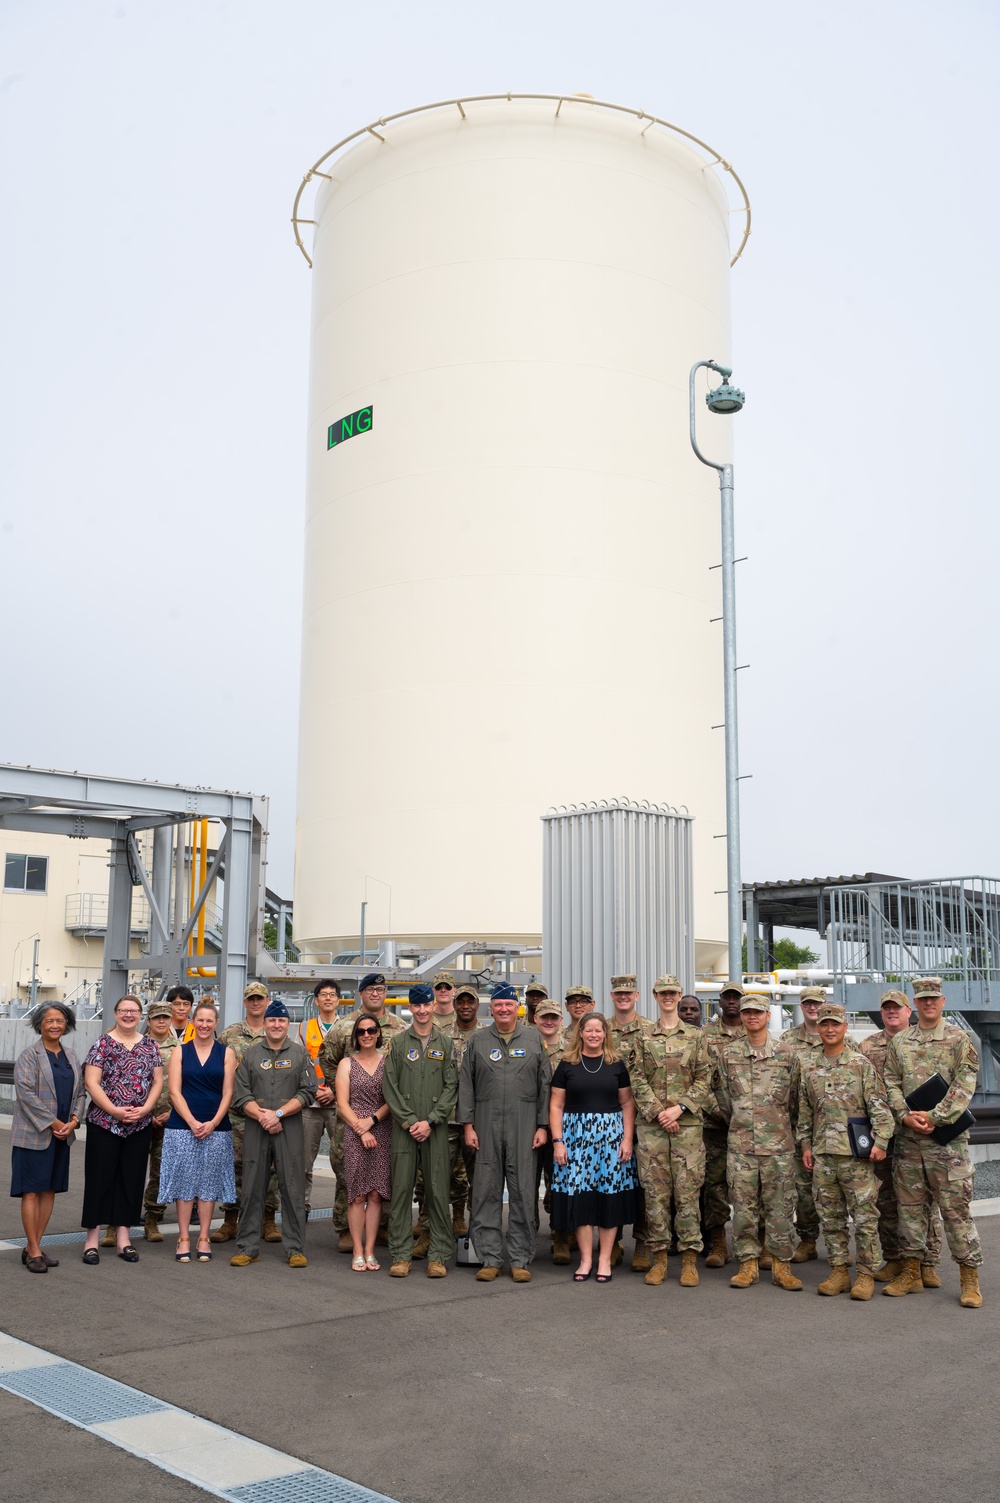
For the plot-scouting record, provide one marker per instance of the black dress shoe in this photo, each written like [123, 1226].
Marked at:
[36, 1265]
[91, 1257]
[129, 1254]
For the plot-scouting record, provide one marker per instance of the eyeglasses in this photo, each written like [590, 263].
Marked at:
[365, 1033]
[129, 1015]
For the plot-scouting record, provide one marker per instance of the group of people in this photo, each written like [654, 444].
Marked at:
[664, 1125]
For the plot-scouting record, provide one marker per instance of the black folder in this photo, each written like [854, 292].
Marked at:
[929, 1095]
[862, 1139]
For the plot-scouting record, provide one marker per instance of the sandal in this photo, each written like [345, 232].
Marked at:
[204, 1254]
[359, 1265]
[581, 1278]
[372, 1264]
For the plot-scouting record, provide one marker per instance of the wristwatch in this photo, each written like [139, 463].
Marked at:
[279, 1113]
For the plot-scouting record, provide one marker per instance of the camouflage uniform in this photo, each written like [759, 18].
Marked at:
[458, 1189]
[830, 1091]
[626, 1037]
[756, 1092]
[715, 1037]
[336, 1045]
[671, 1067]
[151, 1200]
[875, 1047]
[544, 1161]
[804, 1047]
[925, 1172]
[238, 1037]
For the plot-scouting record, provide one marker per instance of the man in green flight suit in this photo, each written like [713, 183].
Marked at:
[420, 1086]
[503, 1100]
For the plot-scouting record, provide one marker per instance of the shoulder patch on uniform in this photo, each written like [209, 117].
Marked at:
[413, 1053]
[496, 1054]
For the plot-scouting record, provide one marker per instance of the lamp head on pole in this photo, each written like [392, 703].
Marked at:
[725, 398]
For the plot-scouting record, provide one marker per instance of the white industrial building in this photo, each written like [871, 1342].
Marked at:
[510, 547]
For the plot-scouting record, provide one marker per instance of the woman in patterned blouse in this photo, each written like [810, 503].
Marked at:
[124, 1077]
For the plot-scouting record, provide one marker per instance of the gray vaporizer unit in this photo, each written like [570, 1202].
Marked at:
[617, 897]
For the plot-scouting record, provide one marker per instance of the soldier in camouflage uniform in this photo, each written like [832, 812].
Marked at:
[457, 1033]
[716, 1036]
[837, 1084]
[671, 1075]
[238, 1037]
[579, 1001]
[925, 1171]
[336, 1045]
[804, 1042]
[896, 1013]
[158, 1015]
[548, 1021]
[627, 1028]
[756, 1092]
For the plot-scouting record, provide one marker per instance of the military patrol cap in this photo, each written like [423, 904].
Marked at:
[467, 991]
[626, 984]
[667, 984]
[374, 978]
[899, 997]
[928, 986]
[255, 989]
[579, 991]
[548, 1009]
[444, 978]
[754, 1004]
[277, 1009]
[832, 1010]
[536, 989]
[732, 986]
[503, 992]
[159, 1010]
[422, 993]
[812, 994]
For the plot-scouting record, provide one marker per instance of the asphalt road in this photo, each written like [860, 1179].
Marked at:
[426, 1390]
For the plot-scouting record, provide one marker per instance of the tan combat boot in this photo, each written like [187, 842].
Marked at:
[560, 1248]
[718, 1251]
[151, 1229]
[782, 1275]
[422, 1242]
[110, 1238]
[436, 1270]
[929, 1276]
[521, 1275]
[888, 1271]
[640, 1258]
[907, 1281]
[864, 1285]
[459, 1225]
[765, 1259]
[345, 1242]
[806, 1251]
[269, 1230]
[487, 1274]
[971, 1296]
[658, 1269]
[399, 1270]
[243, 1260]
[689, 1269]
[747, 1275]
[837, 1282]
[227, 1231]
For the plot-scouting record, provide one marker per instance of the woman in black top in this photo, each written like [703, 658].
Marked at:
[592, 1119]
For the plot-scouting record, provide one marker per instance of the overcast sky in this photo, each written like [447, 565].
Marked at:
[154, 354]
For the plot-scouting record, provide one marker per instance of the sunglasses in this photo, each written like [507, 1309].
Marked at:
[367, 1033]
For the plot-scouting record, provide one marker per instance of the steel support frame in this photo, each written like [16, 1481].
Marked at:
[114, 809]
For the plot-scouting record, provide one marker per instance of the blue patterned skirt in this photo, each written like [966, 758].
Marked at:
[197, 1168]
[595, 1188]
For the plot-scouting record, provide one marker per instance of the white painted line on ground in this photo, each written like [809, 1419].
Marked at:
[200, 1452]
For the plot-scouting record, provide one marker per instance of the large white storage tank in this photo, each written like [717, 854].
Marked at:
[508, 584]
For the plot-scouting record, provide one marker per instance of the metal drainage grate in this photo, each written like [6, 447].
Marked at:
[86, 1397]
[311, 1486]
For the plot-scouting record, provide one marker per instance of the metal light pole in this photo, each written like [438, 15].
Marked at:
[727, 399]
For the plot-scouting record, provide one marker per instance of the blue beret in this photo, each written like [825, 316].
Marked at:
[503, 992]
[374, 978]
[277, 1010]
[421, 994]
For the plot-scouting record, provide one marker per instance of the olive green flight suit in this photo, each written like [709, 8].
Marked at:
[503, 1091]
[420, 1084]
[271, 1077]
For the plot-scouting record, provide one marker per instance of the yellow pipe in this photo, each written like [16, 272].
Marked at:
[199, 850]
[191, 886]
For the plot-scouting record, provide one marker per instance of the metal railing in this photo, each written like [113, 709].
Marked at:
[89, 910]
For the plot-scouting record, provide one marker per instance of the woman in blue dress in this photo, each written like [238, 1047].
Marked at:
[197, 1140]
[592, 1120]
